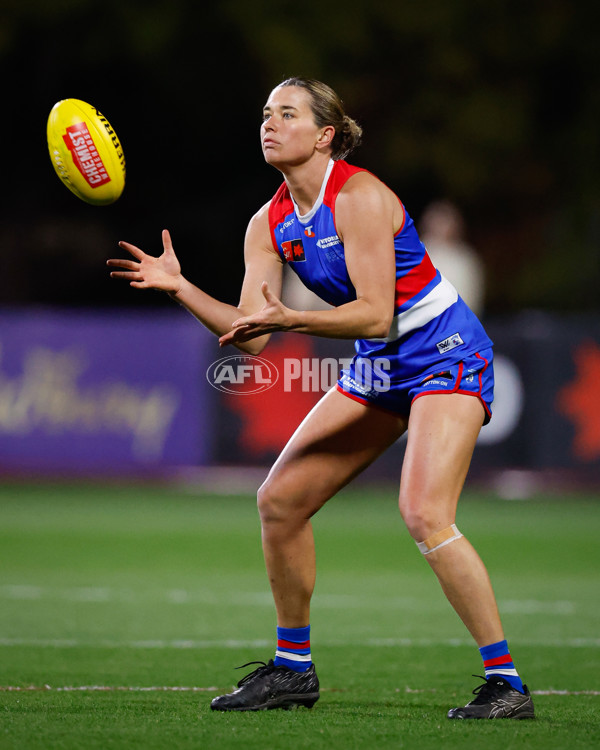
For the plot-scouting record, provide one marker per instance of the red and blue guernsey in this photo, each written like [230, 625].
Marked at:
[432, 325]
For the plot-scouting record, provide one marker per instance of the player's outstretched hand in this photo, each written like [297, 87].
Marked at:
[274, 316]
[148, 272]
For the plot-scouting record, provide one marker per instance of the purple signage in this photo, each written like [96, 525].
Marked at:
[107, 391]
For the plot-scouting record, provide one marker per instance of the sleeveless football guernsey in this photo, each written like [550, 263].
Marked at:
[432, 325]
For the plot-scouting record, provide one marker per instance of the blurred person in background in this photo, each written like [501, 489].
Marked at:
[442, 230]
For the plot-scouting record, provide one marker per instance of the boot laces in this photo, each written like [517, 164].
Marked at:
[486, 691]
[263, 669]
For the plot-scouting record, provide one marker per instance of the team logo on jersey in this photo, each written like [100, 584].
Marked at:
[293, 251]
[309, 231]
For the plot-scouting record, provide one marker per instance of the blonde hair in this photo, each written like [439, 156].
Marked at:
[328, 109]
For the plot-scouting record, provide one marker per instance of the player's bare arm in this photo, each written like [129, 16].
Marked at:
[164, 274]
[264, 268]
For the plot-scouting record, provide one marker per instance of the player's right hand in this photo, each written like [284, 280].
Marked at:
[148, 272]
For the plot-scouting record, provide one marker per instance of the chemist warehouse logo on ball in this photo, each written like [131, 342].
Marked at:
[246, 375]
[85, 155]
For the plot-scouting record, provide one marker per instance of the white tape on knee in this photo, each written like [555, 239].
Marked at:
[439, 539]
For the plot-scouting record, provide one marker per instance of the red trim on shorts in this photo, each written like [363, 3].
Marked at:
[481, 371]
[456, 388]
[352, 396]
[480, 397]
[464, 393]
[459, 377]
[366, 402]
[485, 406]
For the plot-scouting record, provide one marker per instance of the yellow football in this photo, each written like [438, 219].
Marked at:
[85, 152]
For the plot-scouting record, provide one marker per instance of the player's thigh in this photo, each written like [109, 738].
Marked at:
[337, 440]
[442, 433]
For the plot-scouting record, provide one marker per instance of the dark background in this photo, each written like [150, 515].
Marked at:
[493, 105]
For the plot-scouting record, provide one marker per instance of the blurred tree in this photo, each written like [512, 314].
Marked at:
[494, 106]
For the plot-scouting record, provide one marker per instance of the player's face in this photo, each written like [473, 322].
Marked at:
[288, 133]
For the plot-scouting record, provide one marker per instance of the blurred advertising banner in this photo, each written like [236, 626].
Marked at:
[130, 393]
[547, 397]
[114, 392]
[546, 408]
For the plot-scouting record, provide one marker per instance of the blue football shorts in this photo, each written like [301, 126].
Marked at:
[370, 382]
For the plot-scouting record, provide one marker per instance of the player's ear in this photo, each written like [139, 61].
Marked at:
[326, 136]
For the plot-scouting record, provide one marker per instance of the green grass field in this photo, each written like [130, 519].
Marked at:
[123, 610]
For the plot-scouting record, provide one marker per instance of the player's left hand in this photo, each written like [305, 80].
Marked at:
[274, 316]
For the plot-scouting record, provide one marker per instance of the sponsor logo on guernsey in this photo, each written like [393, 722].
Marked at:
[450, 343]
[286, 224]
[309, 231]
[328, 241]
[85, 155]
[293, 250]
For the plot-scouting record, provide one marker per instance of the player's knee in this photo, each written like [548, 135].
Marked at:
[274, 505]
[419, 527]
[280, 507]
[430, 528]
[269, 508]
[420, 520]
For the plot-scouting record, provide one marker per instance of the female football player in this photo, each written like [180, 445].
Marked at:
[423, 366]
